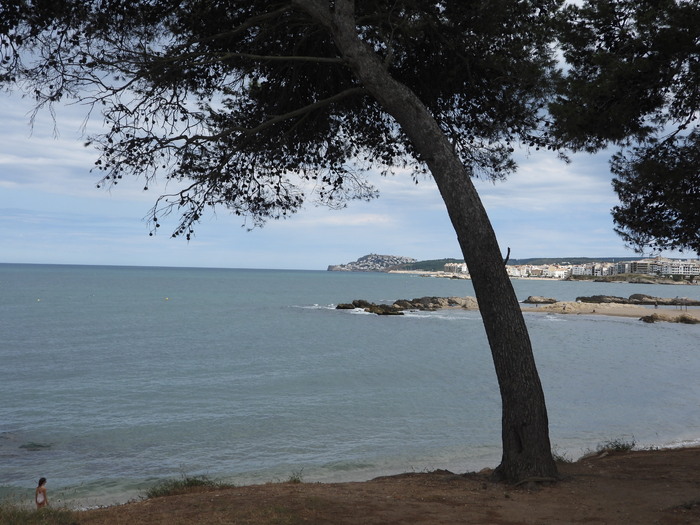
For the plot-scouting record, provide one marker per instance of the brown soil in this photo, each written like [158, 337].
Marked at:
[645, 487]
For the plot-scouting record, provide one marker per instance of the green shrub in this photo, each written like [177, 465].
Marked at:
[12, 514]
[560, 457]
[184, 485]
[296, 476]
[617, 445]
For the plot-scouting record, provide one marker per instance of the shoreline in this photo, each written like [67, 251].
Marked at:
[610, 486]
[648, 313]
[67, 499]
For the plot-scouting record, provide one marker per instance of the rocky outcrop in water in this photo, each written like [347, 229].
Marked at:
[602, 299]
[684, 319]
[640, 299]
[536, 299]
[421, 303]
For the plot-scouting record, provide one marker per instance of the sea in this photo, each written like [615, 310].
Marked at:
[113, 379]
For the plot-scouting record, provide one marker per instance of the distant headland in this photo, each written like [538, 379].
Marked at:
[373, 263]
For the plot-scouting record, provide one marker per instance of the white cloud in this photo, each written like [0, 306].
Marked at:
[346, 220]
[548, 184]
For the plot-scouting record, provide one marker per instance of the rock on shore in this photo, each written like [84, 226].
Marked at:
[536, 299]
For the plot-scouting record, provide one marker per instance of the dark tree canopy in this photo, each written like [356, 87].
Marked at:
[248, 105]
[635, 81]
[659, 189]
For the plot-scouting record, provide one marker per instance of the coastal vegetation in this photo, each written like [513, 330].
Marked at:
[616, 445]
[184, 485]
[15, 514]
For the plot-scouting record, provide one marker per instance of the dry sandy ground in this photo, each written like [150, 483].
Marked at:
[646, 487]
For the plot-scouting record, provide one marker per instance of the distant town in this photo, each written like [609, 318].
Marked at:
[686, 269]
[658, 266]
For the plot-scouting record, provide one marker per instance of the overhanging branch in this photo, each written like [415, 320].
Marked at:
[279, 58]
[272, 121]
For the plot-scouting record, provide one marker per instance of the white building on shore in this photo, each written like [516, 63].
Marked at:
[456, 268]
[661, 266]
[652, 266]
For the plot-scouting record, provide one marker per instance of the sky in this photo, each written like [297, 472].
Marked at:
[51, 211]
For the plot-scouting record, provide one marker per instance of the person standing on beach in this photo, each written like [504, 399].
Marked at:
[40, 494]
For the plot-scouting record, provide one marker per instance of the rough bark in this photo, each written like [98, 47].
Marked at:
[525, 429]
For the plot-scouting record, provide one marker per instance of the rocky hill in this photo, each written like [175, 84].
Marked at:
[372, 263]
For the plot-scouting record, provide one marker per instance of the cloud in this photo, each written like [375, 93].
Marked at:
[50, 157]
[348, 220]
[546, 184]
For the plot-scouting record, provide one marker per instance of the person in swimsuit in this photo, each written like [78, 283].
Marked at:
[40, 494]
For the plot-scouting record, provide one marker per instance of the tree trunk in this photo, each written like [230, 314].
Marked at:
[525, 430]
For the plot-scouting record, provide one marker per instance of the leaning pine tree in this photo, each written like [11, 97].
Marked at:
[256, 105]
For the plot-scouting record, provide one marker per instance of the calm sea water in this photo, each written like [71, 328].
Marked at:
[113, 378]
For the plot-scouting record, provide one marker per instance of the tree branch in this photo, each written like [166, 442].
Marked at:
[505, 261]
[270, 122]
[276, 58]
[306, 109]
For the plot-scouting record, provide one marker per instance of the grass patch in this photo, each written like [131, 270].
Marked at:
[617, 445]
[560, 457]
[184, 485]
[296, 476]
[12, 514]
